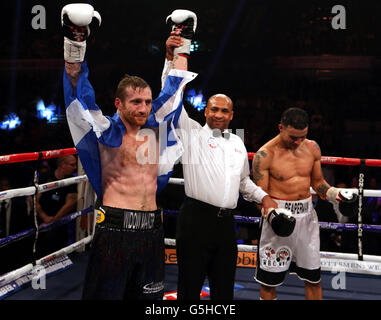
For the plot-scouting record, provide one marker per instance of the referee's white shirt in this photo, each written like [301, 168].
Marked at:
[215, 169]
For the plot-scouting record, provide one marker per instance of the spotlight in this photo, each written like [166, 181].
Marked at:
[195, 46]
[10, 122]
[48, 113]
[197, 100]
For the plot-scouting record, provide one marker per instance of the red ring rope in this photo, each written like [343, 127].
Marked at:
[21, 157]
[32, 156]
[341, 161]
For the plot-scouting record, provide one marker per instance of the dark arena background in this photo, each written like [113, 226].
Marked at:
[266, 55]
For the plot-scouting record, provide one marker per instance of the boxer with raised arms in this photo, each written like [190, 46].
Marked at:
[127, 254]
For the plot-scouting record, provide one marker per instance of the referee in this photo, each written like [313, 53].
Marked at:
[216, 170]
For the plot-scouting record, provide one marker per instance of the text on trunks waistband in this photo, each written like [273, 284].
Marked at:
[138, 220]
[295, 206]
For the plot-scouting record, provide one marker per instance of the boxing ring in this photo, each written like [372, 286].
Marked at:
[344, 275]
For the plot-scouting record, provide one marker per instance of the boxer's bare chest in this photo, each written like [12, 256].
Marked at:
[139, 152]
[290, 164]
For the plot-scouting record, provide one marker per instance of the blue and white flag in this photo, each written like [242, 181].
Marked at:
[88, 126]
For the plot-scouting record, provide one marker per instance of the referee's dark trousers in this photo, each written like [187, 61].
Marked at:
[206, 247]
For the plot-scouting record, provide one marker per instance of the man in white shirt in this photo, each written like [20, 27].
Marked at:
[216, 170]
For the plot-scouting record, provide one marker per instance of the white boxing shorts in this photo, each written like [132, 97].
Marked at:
[298, 253]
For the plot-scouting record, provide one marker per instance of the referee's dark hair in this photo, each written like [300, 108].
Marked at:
[295, 117]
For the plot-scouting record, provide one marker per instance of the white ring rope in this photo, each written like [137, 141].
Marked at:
[15, 274]
[28, 191]
[323, 254]
[329, 261]
[367, 193]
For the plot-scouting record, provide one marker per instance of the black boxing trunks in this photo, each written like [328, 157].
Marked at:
[127, 256]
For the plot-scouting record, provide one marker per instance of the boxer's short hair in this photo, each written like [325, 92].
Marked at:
[133, 82]
[295, 117]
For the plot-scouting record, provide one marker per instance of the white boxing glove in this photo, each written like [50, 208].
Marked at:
[75, 21]
[337, 194]
[346, 198]
[186, 22]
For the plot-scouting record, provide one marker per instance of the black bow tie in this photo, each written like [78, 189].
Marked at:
[218, 133]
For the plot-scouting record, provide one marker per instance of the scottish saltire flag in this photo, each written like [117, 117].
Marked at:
[88, 126]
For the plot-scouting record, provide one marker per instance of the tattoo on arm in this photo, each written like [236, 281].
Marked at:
[317, 146]
[321, 190]
[174, 60]
[256, 164]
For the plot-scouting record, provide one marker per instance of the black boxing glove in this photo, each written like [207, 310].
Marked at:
[281, 221]
[186, 22]
[346, 198]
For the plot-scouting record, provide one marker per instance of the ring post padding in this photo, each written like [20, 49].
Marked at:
[359, 214]
[35, 183]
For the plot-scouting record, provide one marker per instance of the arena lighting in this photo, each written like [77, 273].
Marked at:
[195, 46]
[10, 122]
[49, 113]
[197, 100]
